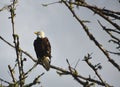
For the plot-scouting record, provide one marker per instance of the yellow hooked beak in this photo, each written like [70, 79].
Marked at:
[36, 33]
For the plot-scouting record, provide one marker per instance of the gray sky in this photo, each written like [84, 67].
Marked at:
[68, 40]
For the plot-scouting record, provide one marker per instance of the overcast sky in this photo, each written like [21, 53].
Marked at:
[67, 38]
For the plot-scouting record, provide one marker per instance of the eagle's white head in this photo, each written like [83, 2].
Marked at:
[40, 34]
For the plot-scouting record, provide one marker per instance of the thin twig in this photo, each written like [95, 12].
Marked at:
[12, 73]
[31, 69]
[104, 28]
[4, 81]
[75, 76]
[87, 58]
[35, 81]
[26, 53]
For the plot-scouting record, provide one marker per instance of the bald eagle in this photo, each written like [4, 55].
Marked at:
[43, 49]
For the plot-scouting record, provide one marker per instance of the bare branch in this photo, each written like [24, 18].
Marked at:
[4, 81]
[116, 53]
[86, 59]
[12, 73]
[74, 75]
[31, 69]
[92, 37]
[114, 39]
[45, 5]
[108, 31]
[27, 54]
[16, 42]
[36, 81]
[101, 12]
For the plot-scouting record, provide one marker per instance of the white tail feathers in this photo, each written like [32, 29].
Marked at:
[46, 63]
